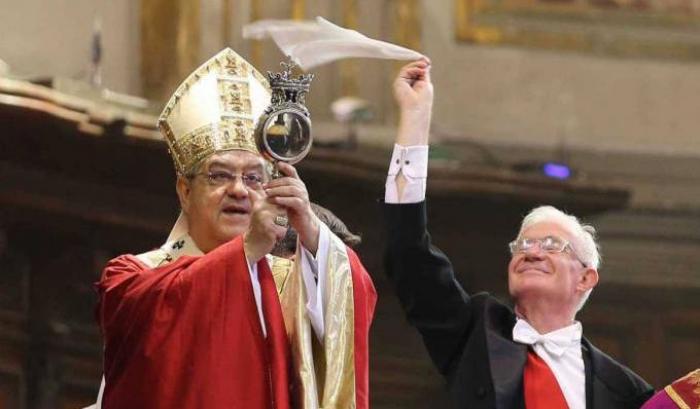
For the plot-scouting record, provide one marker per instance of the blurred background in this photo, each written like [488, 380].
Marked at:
[589, 105]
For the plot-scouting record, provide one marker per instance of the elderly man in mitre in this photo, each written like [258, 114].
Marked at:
[203, 321]
[493, 356]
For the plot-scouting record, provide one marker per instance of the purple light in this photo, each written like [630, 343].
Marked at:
[556, 170]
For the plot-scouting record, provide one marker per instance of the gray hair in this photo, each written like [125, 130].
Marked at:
[584, 242]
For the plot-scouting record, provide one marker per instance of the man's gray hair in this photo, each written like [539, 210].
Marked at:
[584, 241]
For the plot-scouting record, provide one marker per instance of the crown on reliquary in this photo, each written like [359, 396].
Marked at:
[287, 90]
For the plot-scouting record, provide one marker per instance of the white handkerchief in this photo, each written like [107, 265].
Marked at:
[313, 43]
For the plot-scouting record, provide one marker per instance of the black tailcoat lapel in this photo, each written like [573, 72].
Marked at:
[586, 353]
[611, 384]
[507, 361]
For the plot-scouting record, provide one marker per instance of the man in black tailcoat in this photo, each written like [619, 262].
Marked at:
[532, 356]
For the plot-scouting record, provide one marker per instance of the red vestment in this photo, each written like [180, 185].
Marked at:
[365, 299]
[187, 335]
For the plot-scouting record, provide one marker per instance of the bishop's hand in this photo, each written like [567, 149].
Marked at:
[263, 232]
[413, 92]
[290, 192]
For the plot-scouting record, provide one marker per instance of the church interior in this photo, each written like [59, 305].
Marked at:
[587, 105]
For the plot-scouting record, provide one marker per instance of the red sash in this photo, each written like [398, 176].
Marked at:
[542, 390]
[277, 343]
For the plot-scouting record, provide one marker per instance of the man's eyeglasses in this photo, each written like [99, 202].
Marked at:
[550, 244]
[222, 177]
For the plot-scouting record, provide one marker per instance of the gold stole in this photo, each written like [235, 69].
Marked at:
[325, 373]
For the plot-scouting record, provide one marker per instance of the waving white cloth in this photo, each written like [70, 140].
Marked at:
[313, 43]
[561, 350]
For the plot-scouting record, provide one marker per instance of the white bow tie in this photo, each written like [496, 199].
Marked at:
[555, 342]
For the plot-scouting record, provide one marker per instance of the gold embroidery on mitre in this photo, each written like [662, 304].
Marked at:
[215, 109]
[234, 98]
[233, 66]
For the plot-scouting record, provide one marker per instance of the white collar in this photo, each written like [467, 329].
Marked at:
[555, 342]
[180, 246]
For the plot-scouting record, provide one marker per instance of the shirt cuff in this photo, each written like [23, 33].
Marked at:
[412, 162]
[314, 275]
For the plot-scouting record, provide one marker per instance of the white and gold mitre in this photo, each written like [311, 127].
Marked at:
[215, 109]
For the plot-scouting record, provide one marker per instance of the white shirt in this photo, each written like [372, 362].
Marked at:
[311, 269]
[561, 350]
[313, 272]
[568, 368]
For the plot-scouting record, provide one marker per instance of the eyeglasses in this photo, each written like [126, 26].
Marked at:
[222, 177]
[550, 244]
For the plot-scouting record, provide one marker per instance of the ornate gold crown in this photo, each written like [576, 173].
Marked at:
[215, 109]
[287, 90]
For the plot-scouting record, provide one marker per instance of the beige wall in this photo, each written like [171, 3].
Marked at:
[530, 97]
[500, 95]
[53, 37]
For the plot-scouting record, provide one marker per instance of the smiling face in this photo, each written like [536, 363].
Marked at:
[559, 278]
[218, 210]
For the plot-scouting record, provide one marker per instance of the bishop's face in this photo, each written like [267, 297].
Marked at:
[555, 276]
[215, 198]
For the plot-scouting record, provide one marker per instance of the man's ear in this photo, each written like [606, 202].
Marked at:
[588, 280]
[183, 188]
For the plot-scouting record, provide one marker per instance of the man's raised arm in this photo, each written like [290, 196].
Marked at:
[413, 92]
[422, 275]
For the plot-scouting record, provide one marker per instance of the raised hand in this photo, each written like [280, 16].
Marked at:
[413, 92]
[290, 193]
[263, 232]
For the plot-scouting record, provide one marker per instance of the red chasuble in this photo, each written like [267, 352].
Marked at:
[188, 335]
[365, 299]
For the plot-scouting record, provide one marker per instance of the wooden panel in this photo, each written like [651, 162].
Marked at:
[12, 373]
[170, 44]
[11, 391]
[594, 26]
[81, 380]
[685, 345]
[408, 27]
[14, 278]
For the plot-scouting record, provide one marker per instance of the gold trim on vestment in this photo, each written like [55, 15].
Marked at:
[676, 398]
[281, 269]
[690, 380]
[326, 378]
